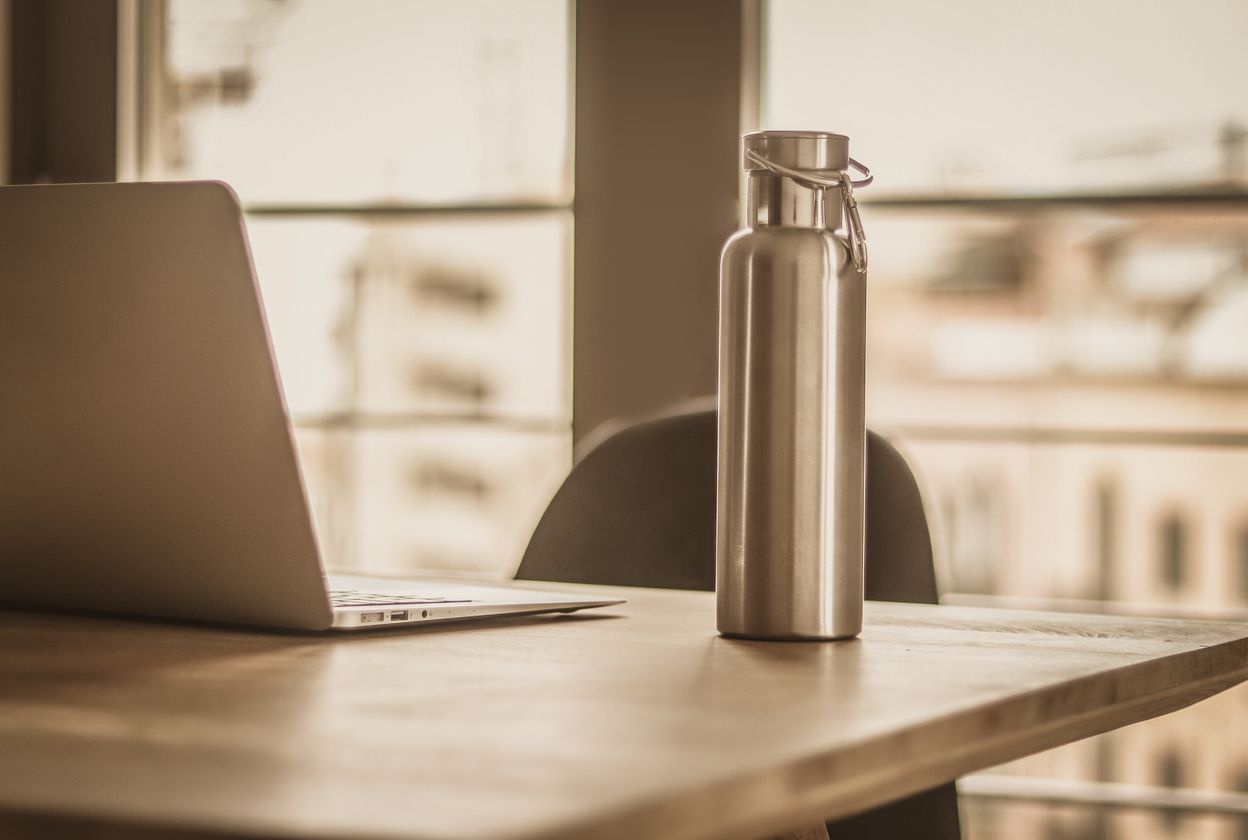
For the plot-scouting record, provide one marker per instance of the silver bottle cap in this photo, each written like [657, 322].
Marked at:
[807, 151]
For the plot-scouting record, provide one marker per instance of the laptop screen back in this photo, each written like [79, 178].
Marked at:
[147, 464]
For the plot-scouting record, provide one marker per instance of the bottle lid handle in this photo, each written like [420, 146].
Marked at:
[840, 180]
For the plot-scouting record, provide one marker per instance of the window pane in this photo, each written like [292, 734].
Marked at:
[424, 354]
[444, 497]
[463, 316]
[306, 273]
[973, 95]
[322, 101]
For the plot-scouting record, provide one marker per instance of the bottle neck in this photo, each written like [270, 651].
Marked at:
[776, 201]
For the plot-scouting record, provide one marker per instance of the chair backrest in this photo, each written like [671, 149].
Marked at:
[638, 509]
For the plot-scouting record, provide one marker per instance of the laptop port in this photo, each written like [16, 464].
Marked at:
[398, 615]
[372, 617]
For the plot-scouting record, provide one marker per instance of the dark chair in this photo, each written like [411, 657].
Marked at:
[638, 509]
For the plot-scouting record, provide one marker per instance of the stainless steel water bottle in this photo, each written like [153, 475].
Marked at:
[792, 448]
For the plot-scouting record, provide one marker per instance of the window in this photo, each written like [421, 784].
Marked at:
[1058, 292]
[405, 171]
[395, 101]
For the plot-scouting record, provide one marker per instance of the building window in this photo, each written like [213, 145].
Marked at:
[1240, 783]
[1172, 546]
[1240, 554]
[1105, 512]
[977, 521]
[1171, 773]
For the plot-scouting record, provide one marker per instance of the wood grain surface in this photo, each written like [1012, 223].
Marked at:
[636, 721]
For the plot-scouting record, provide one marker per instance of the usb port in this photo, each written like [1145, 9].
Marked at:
[372, 617]
[398, 615]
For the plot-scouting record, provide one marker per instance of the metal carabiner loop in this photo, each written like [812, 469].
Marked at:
[853, 224]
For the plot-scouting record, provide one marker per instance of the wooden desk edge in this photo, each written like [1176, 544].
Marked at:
[770, 799]
[746, 808]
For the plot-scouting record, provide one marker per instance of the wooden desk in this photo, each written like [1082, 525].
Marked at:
[635, 722]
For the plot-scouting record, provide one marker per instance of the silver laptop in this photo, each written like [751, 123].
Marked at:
[147, 464]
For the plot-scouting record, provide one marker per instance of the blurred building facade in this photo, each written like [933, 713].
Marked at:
[1059, 335]
[418, 287]
[1082, 445]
